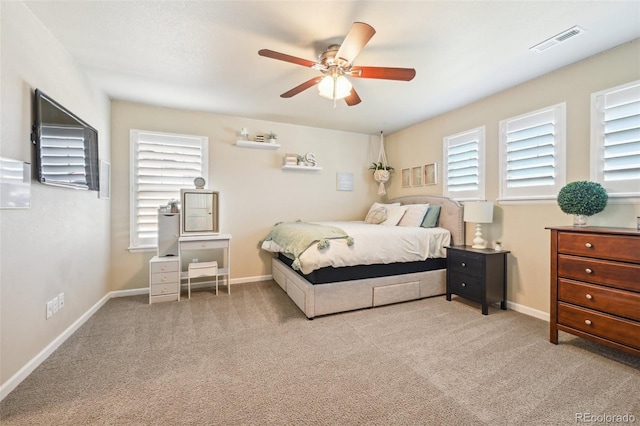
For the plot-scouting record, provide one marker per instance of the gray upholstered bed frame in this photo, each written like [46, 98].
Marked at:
[315, 300]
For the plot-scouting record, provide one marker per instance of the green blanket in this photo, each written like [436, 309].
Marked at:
[296, 237]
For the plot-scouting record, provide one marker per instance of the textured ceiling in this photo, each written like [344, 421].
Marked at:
[202, 55]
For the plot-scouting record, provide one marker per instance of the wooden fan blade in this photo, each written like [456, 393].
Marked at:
[287, 58]
[353, 98]
[383, 73]
[358, 36]
[301, 87]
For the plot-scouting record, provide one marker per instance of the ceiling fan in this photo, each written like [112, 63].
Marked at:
[336, 63]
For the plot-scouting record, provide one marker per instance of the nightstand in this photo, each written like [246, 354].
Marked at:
[479, 275]
[164, 279]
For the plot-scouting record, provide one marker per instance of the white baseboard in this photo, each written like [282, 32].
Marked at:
[528, 311]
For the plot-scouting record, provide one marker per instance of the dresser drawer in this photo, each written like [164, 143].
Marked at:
[617, 302]
[602, 325]
[165, 277]
[204, 244]
[467, 286]
[464, 262]
[625, 276]
[167, 288]
[170, 266]
[622, 248]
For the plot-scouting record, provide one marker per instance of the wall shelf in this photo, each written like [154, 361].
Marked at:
[257, 145]
[301, 168]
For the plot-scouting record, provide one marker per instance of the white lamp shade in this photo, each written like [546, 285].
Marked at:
[478, 212]
[343, 87]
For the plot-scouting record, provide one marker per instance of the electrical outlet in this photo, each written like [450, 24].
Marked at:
[60, 301]
[194, 261]
[49, 309]
[55, 305]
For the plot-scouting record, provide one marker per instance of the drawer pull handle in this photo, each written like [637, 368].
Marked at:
[464, 264]
[164, 289]
[588, 271]
[464, 285]
[588, 296]
[588, 245]
[164, 278]
[164, 267]
[588, 322]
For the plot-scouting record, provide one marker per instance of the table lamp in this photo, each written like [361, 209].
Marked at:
[478, 212]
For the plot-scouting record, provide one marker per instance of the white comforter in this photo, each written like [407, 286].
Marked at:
[373, 244]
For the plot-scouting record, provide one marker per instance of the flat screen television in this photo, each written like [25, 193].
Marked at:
[66, 146]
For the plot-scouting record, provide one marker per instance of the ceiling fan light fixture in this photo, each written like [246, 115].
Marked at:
[341, 84]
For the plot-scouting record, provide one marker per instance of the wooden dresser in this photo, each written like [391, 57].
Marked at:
[595, 285]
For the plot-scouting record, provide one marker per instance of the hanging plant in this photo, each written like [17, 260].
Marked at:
[582, 198]
[380, 166]
[381, 170]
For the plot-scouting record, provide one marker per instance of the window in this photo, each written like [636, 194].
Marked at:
[532, 154]
[463, 175]
[161, 165]
[615, 140]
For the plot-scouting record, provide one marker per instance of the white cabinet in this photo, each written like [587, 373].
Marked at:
[164, 279]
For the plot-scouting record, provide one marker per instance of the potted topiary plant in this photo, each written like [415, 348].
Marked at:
[582, 199]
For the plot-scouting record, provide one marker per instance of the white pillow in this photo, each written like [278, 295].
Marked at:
[414, 215]
[394, 214]
[376, 216]
[376, 206]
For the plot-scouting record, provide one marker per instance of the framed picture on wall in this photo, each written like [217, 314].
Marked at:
[416, 176]
[406, 178]
[431, 174]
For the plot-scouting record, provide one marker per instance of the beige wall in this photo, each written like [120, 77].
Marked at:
[521, 226]
[255, 192]
[60, 244]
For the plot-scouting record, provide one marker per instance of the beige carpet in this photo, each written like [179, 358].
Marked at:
[252, 358]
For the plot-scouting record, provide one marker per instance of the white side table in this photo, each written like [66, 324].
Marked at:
[164, 279]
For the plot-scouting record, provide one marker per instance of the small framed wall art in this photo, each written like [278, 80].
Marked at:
[406, 178]
[431, 174]
[416, 176]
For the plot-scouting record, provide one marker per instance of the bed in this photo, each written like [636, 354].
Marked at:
[320, 282]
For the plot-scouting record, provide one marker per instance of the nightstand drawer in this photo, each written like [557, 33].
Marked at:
[467, 263]
[168, 266]
[606, 326]
[160, 289]
[467, 286]
[164, 278]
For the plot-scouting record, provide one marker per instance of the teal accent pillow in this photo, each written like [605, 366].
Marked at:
[431, 218]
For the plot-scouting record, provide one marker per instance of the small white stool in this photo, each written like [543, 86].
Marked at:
[202, 269]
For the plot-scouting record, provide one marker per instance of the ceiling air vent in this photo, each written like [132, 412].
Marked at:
[557, 39]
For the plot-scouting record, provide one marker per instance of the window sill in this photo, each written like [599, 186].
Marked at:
[546, 200]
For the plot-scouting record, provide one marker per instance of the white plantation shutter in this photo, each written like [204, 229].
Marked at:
[615, 139]
[532, 159]
[464, 165]
[62, 156]
[162, 164]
